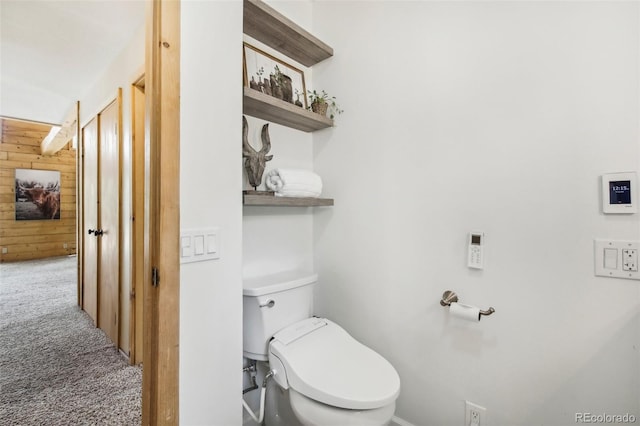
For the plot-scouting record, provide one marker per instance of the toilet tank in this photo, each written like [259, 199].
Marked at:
[272, 302]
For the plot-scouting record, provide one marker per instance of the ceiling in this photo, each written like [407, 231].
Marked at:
[52, 52]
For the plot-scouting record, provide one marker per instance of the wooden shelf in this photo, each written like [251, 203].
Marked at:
[270, 27]
[265, 107]
[264, 23]
[266, 200]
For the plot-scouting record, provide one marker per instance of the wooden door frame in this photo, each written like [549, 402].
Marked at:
[162, 149]
[136, 314]
[79, 201]
[162, 214]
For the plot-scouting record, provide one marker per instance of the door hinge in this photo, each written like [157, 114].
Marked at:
[155, 277]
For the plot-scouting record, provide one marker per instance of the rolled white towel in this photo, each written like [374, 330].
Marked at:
[294, 183]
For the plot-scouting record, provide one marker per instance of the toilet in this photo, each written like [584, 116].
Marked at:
[329, 377]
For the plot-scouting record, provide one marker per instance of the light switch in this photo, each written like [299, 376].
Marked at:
[610, 258]
[212, 243]
[198, 242]
[185, 245]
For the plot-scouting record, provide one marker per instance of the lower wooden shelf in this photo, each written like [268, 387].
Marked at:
[266, 200]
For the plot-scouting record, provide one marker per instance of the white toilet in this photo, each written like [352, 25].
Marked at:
[331, 379]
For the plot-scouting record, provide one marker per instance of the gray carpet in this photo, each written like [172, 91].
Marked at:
[56, 368]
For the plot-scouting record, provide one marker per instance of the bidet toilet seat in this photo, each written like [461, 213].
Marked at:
[321, 361]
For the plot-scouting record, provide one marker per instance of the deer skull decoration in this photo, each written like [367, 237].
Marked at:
[255, 161]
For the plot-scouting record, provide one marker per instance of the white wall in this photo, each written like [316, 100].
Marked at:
[210, 195]
[497, 116]
[277, 239]
[127, 68]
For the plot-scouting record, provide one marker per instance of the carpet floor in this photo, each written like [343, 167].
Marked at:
[56, 367]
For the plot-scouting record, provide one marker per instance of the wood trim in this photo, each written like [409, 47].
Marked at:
[6, 117]
[162, 225]
[79, 204]
[132, 270]
[120, 210]
[137, 217]
[68, 129]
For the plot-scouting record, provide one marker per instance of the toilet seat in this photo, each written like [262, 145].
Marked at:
[320, 360]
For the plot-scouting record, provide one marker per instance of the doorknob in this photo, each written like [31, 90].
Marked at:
[91, 231]
[98, 232]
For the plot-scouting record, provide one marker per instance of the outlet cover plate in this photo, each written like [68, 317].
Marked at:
[469, 409]
[617, 269]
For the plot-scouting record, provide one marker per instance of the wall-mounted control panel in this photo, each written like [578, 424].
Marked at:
[619, 193]
[475, 250]
[197, 245]
[617, 259]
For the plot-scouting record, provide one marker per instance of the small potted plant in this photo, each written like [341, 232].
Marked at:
[322, 103]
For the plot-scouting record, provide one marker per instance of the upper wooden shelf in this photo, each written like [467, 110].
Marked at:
[269, 26]
[265, 107]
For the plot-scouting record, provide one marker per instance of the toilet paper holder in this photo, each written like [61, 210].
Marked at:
[449, 297]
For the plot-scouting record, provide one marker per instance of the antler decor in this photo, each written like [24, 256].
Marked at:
[255, 161]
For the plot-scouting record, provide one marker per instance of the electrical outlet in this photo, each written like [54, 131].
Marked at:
[5, 250]
[474, 415]
[65, 245]
[630, 260]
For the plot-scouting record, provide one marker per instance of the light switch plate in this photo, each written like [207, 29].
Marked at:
[616, 259]
[199, 244]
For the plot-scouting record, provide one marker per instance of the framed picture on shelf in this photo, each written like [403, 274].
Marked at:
[273, 77]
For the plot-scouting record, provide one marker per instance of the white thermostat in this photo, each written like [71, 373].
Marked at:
[619, 193]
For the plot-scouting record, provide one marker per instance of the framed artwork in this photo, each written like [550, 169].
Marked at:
[37, 194]
[273, 77]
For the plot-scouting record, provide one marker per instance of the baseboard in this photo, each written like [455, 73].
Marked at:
[125, 355]
[397, 421]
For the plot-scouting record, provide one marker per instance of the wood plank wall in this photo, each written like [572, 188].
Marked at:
[34, 239]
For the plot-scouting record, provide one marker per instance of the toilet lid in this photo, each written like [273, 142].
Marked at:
[323, 362]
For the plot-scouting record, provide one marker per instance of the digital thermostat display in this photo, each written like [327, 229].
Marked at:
[619, 193]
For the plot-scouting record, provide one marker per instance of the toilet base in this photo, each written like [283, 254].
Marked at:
[290, 408]
[313, 413]
[278, 410]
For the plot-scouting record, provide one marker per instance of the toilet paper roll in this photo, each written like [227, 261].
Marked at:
[467, 312]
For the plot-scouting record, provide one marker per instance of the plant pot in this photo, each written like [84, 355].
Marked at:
[320, 108]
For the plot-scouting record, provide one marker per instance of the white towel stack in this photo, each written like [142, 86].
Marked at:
[294, 183]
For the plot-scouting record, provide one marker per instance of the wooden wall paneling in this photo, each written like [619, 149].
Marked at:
[22, 240]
